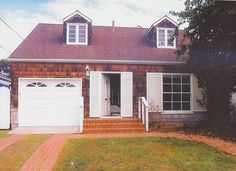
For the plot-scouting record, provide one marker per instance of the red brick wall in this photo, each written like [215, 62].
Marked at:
[53, 70]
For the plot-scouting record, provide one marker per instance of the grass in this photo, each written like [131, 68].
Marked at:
[141, 154]
[4, 134]
[14, 156]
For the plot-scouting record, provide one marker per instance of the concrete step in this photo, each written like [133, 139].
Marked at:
[116, 120]
[113, 125]
[111, 130]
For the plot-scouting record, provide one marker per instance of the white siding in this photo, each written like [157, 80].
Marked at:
[4, 108]
[196, 94]
[126, 94]
[154, 90]
[95, 106]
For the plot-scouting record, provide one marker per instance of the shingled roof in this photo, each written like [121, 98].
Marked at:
[125, 43]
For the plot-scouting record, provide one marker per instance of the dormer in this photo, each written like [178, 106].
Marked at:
[161, 33]
[77, 29]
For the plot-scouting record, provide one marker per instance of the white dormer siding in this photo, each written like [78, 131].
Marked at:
[165, 38]
[77, 34]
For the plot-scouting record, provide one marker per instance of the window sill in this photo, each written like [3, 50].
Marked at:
[166, 47]
[83, 44]
[177, 112]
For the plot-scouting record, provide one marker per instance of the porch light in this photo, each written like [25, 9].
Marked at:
[87, 71]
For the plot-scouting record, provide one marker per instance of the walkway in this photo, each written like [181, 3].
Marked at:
[44, 158]
[226, 146]
[5, 142]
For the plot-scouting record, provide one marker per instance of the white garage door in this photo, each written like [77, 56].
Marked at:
[50, 102]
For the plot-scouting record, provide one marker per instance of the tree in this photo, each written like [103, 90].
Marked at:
[212, 51]
[5, 68]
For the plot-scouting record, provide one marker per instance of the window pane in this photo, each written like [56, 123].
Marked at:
[167, 88]
[170, 40]
[176, 97]
[82, 34]
[186, 88]
[176, 106]
[167, 106]
[185, 97]
[176, 88]
[185, 79]
[176, 79]
[167, 97]
[167, 79]
[161, 37]
[186, 106]
[71, 40]
[72, 33]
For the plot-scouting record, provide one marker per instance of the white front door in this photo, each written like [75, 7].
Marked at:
[100, 91]
[50, 102]
[106, 86]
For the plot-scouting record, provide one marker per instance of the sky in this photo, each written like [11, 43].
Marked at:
[24, 15]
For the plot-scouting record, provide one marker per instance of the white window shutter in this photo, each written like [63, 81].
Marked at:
[155, 91]
[196, 94]
[95, 98]
[127, 94]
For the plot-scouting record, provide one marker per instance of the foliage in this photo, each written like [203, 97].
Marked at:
[141, 154]
[212, 51]
[5, 68]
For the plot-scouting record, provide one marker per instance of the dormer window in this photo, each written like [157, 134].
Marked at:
[77, 33]
[165, 38]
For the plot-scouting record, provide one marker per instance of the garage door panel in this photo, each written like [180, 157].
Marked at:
[50, 106]
[50, 122]
[50, 103]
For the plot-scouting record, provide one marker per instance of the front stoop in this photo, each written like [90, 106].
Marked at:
[113, 125]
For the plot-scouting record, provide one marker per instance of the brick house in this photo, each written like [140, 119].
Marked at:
[110, 67]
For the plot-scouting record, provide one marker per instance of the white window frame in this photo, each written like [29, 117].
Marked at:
[77, 34]
[191, 96]
[166, 38]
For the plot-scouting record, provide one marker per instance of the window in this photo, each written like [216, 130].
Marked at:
[165, 38]
[65, 85]
[77, 34]
[176, 92]
[36, 84]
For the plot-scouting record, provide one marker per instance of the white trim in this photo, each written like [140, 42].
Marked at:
[160, 20]
[75, 13]
[191, 96]
[97, 61]
[166, 38]
[77, 34]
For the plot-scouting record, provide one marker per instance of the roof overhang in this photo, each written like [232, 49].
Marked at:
[77, 13]
[95, 61]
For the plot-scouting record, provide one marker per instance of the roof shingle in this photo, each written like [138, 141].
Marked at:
[125, 43]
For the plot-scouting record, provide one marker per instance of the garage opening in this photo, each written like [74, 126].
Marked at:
[50, 102]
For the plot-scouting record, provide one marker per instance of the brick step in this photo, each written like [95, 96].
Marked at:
[120, 120]
[117, 130]
[113, 125]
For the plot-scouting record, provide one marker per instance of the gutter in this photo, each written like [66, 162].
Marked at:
[95, 61]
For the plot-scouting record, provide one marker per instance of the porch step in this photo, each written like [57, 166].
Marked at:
[120, 125]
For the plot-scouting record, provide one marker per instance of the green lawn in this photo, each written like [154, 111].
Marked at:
[4, 134]
[14, 156]
[141, 154]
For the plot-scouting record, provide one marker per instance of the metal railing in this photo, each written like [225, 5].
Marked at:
[143, 111]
